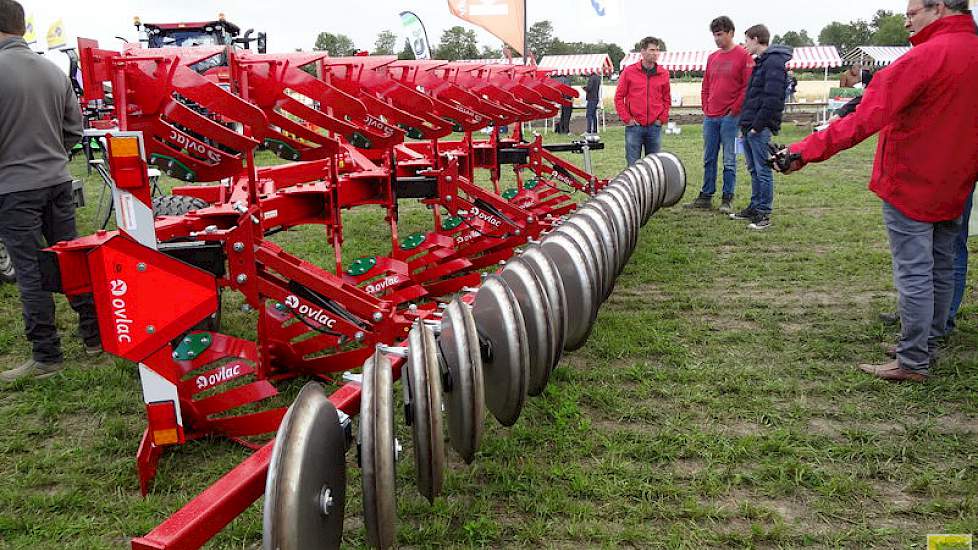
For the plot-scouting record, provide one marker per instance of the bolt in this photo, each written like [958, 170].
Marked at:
[211, 229]
[242, 279]
[150, 329]
[246, 308]
[359, 336]
[140, 267]
[326, 500]
[238, 246]
[186, 340]
[205, 340]
[517, 232]
[531, 219]
[174, 355]
[191, 354]
[378, 316]
[448, 178]
[448, 198]
[413, 307]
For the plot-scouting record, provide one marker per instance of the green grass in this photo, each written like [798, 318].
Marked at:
[715, 405]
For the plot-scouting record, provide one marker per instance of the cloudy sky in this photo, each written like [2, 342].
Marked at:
[292, 24]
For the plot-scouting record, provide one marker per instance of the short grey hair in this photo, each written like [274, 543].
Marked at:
[953, 5]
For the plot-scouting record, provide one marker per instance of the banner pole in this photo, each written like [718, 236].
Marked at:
[524, 33]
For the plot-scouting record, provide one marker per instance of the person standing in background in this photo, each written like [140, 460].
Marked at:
[642, 99]
[728, 71]
[592, 93]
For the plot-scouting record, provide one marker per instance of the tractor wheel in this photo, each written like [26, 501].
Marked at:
[176, 205]
[7, 274]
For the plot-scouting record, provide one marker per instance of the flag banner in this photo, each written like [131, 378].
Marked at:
[56, 35]
[416, 35]
[31, 35]
[603, 13]
[505, 19]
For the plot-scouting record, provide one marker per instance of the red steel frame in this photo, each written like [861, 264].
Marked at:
[345, 126]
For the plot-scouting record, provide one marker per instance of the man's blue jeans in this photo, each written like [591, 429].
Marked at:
[923, 273]
[719, 131]
[960, 263]
[761, 177]
[639, 137]
[591, 117]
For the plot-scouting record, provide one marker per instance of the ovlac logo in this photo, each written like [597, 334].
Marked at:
[488, 218]
[225, 374]
[318, 315]
[382, 285]
[120, 317]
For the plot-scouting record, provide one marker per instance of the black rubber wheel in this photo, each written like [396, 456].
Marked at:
[7, 273]
[176, 205]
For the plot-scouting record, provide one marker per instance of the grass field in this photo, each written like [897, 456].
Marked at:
[716, 404]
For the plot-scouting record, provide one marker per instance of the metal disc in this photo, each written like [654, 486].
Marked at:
[505, 353]
[305, 490]
[609, 243]
[458, 346]
[675, 178]
[631, 201]
[627, 209]
[606, 277]
[569, 260]
[377, 454]
[641, 186]
[606, 204]
[648, 179]
[654, 164]
[546, 272]
[537, 315]
[588, 243]
[423, 382]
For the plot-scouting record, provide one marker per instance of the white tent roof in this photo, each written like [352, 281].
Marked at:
[814, 57]
[876, 55]
[577, 64]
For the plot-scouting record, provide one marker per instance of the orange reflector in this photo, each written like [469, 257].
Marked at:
[124, 146]
[163, 423]
[166, 437]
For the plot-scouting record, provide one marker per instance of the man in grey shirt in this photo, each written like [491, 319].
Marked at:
[39, 123]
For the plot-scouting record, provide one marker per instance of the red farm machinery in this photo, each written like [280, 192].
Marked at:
[471, 314]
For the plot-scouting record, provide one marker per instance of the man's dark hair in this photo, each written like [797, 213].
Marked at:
[759, 33]
[12, 18]
[649, 40]
[722, 24]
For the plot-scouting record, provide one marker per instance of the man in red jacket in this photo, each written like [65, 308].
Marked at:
[924, 108]
[642, 100]
[725, 82]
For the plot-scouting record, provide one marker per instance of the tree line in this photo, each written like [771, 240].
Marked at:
[885, 29]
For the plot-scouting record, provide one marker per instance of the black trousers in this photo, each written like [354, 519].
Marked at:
[563, 125]
[28, 220]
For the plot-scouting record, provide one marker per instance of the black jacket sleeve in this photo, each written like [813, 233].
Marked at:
[849, 107]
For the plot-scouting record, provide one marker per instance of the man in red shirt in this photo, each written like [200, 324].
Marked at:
[642, 100]
[728, 71]
[923, 106]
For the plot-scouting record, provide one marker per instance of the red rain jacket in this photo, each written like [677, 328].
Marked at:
[925, 106]
[641, 97]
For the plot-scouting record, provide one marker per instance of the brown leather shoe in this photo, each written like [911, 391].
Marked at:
[894, 372]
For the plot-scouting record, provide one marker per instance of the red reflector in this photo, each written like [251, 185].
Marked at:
[163, 423]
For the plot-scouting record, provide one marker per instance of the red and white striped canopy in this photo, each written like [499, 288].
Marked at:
[876, 55]
[502, 61]
[815, 57]
[577, 64]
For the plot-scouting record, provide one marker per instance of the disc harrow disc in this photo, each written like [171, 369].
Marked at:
[377, 454]
[458, 346]
[539, 319]
[305, 490]
[505, 350]
[546, 272]
[423, 384]
[578, 283]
